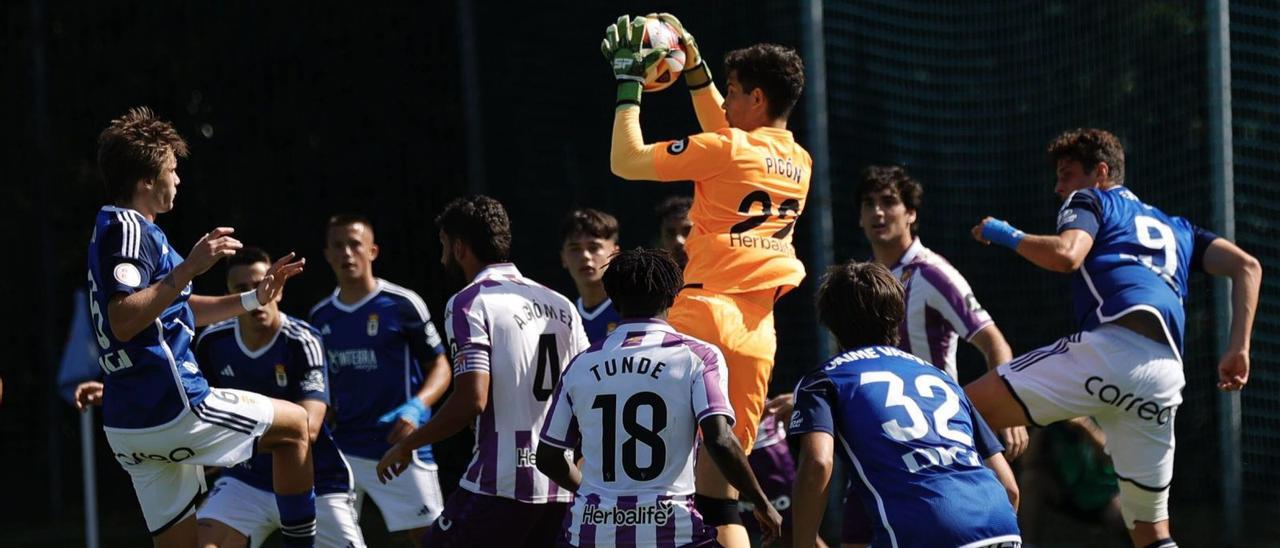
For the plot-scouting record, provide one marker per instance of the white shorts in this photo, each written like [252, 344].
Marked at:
[167, 463]
[253, 513]
[410, 501]
[1129, 384]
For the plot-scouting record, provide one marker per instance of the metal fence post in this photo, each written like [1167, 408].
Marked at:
[1221, 193]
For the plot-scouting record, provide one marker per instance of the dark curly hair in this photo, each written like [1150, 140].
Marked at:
[482, 223]
[909, 190]
[1090, 146]
[774, 69]
[643, 283]
[861, 304]
[674, 206]
[134, 148]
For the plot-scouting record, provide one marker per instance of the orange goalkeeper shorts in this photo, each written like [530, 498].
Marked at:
[741, 325]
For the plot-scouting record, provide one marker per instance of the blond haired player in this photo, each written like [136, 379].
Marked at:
[750, 181]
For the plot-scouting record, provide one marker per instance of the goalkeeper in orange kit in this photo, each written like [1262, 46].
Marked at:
[750, 182]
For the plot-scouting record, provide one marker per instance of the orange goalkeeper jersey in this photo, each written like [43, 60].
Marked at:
[749, 190]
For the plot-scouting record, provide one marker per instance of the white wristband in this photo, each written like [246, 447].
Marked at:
[249, 300]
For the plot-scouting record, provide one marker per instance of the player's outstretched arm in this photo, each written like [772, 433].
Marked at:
[809, 493]
[708, 104]
[129, 314]
[210, 310]
[629, 156]
[554, 463]
[470, 397]
[1223, 258]
[724, 449]
[1003, 473]
[1064, 252]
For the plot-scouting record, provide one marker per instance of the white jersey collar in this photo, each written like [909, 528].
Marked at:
[254, 354]
[912, 252]
[600, 308]
[337, 303]
[496, 270]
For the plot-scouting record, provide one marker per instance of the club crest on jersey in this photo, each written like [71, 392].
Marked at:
[282, 380]
[906, 276]
[324, 330]
[676, 147]
[371, 328]
[608, 329]
[127, 274]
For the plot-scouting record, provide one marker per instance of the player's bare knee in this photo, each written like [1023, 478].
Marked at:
[289, 427]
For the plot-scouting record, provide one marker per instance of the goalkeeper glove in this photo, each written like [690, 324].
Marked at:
[696, 73]
[412, 411]
[621, 46]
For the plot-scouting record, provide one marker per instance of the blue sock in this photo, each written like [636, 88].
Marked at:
[298, 518]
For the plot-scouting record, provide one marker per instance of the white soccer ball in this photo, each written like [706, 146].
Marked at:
[658, 34]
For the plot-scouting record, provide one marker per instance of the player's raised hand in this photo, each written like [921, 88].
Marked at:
[770, 522]
[1015, 441]
[1233, 370]
[272, 285]
[692, 57]
[88, 393]
[211, 247]
[621, 46]
[976, 231]
[394, 462]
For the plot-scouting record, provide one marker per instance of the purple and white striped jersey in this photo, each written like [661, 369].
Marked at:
[940, 307]
[633, 401]
[521, 334]
[771, 431]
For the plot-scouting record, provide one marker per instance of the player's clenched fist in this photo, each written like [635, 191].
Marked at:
[215, 245]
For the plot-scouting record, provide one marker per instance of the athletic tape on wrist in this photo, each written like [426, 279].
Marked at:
[249, 300]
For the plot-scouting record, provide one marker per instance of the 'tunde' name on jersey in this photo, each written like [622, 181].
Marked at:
[633, 402]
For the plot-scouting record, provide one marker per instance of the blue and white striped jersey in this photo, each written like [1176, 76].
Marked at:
[152, 378]
[290, 367]
[376, 350]
[1139, 260]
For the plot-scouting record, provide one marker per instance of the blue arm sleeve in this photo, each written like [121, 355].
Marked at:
[984, 440]
[814, 405]
[312, 364]
[128, 257]
[1201, 240]
[1081, 211]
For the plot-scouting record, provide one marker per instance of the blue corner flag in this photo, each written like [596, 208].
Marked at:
[80, 354]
